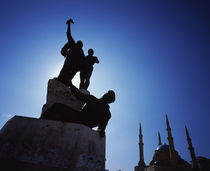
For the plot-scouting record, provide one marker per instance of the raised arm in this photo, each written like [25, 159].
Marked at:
[66, 47]
[68, 33]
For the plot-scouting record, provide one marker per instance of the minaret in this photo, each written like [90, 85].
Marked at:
[141, 152]
[159, 139]
[171, 142]
[191, 149]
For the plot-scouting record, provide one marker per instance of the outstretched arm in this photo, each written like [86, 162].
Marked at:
[81, 96]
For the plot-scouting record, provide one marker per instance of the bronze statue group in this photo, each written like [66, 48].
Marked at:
[96, 110]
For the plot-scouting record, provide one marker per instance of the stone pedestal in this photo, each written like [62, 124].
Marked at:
[57, 92]
[45, 145]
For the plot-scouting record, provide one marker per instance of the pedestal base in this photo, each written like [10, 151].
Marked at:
[42, 145]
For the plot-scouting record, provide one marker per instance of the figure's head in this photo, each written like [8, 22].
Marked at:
[109, 97]
[79, 43]
[90, 52]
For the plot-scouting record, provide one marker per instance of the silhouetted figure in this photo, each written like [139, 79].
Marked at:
[94, 113]
[74, 57]
[87, 69]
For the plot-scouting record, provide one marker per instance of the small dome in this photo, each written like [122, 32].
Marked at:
[162, 147]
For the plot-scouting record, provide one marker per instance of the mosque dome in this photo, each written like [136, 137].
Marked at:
[162, 156]
[163, 147]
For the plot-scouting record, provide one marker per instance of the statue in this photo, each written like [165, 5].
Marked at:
[87, 69]
[74, 58]
[76, 61]
[94, 113]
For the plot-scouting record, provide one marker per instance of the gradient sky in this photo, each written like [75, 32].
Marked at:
[154, 53]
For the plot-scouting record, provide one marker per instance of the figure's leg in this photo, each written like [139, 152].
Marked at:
[82, 79]
[63, 76]
[61, 112]
[64, 73]
[71, 75]
[87, 80]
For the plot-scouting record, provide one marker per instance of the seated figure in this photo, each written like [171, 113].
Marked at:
[95, 112]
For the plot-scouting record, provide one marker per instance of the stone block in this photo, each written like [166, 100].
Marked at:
[57, 92]
[42, 145]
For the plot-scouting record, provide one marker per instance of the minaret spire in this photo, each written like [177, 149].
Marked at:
[141, 152]
[191, 149]
[171, 142]
[159, 139]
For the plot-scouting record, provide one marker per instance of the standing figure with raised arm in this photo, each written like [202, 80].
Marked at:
[87, 69]
[74, 57]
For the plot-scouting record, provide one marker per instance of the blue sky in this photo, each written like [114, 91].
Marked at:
[154, 54]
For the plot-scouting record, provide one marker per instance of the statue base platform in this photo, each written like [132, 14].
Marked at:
[46, 145]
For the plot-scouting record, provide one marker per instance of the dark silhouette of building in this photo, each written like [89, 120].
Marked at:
[166, 158]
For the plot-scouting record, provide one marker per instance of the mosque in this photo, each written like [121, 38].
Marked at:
[166, 158]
